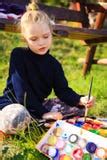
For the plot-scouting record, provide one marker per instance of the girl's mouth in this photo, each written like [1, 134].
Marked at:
[42, 49]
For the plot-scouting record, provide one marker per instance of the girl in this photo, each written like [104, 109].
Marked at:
[34, 72]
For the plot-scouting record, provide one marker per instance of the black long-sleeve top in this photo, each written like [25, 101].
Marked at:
[32, 78]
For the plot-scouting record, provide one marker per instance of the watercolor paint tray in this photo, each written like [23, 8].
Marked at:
[65, 141]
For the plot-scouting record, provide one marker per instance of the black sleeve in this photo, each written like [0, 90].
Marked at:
[66, 94]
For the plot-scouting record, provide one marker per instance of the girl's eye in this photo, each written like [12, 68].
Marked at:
[45, 37]
[33, 39]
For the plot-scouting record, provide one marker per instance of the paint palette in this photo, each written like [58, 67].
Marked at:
[66, 141]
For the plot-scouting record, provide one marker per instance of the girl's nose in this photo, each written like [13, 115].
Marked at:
[40, 42]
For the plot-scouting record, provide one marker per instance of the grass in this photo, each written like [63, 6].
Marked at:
[67, 52]
[23, 145]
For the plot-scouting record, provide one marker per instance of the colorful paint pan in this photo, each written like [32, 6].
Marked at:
[65, 157]
[57, 131]
[68, 148]
[86, 156]
[103, 132]
[77, 153]
[73, 138]
[82, 143]
[44, 148]
[100, 153]
[52, 140]
[79, 123]
[53, 152]
[60, 144]
[91, 147]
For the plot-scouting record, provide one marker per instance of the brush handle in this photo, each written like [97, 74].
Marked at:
[89, 95]
[86, 112]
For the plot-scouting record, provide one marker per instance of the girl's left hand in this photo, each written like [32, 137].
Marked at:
[88, 103]
[52, 115]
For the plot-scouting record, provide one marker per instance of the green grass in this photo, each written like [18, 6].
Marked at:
[67, 52]
[23, 145]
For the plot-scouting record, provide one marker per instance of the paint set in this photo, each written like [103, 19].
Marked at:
[75, 140]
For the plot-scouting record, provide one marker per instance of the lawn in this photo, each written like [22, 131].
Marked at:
[67, 52]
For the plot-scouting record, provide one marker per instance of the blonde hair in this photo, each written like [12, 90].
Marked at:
[34, 15]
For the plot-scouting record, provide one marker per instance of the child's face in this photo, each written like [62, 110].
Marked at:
[39, 37]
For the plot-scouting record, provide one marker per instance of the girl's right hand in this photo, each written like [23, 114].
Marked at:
[88, 103]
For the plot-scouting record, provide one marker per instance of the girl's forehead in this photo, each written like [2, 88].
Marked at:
[37, 28]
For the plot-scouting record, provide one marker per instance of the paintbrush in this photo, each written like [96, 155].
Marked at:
[89, 95]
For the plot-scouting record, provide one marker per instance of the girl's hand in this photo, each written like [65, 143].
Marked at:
[88, 103]
[52, 115]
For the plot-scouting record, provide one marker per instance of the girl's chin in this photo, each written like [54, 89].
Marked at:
[42, 52]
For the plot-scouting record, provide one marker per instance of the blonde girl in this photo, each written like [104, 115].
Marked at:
[34, 72]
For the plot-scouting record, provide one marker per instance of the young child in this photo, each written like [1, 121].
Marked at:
[34, 72]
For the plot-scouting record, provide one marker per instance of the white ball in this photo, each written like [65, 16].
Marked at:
[15, 118]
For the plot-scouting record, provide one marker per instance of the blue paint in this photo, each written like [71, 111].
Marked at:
[91, 147]
[79, 123]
